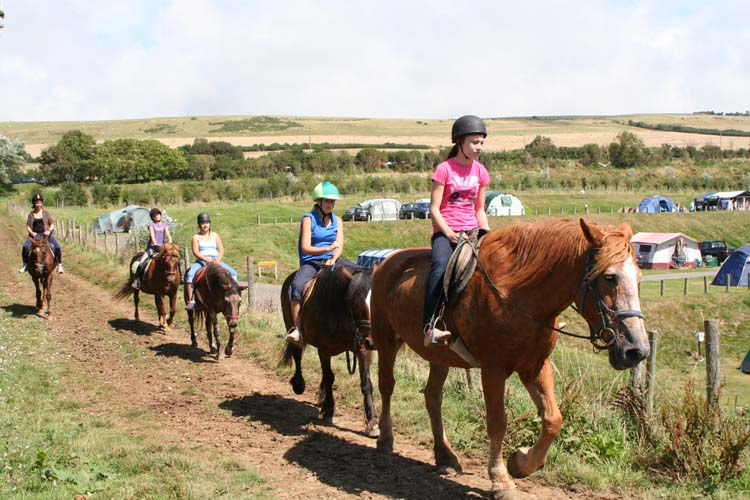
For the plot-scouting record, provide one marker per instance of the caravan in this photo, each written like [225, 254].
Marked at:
[502, 204]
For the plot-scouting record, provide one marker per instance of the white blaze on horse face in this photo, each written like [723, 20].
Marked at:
[628, 276]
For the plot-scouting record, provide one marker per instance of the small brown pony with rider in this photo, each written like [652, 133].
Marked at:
[335, 318]
[525, 276]
[161, 278]
[215, 291]
[40, 265]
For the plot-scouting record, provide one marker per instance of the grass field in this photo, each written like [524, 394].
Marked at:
[504, 133]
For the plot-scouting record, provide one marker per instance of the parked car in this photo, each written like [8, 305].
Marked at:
[715, 248]
[357, 213]
[419, 210]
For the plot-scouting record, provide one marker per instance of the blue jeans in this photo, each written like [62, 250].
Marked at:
[442, 249]
[55, 247]
[202, 263]
[306, 272]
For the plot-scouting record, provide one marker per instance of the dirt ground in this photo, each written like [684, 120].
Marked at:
[234, 406]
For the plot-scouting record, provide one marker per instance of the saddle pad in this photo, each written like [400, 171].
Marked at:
[462, 264]
[199, 275]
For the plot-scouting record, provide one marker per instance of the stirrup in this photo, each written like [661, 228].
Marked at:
[434, 335]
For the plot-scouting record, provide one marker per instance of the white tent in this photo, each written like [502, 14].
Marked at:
[665, 250]
[132, 217]
[502, 204]
[382, 209]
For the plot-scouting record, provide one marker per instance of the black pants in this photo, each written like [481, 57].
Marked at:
[442, 249]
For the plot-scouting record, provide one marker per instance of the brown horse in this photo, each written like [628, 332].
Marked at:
[526, 275]
[335, 318]
[41, 264]
[161, 279]
[215, 292]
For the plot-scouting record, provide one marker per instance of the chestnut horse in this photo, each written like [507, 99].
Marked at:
[215, 292]
[41, 264]
[526, 275]
[335, 318]
[161, 279]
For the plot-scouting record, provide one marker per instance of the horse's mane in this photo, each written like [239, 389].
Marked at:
[333, 291]
[216, 278]
[534, 250]
[168, 249]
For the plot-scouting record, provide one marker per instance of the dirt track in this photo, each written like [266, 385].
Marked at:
[235, 406]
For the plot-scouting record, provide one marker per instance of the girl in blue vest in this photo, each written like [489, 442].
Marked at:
[321, 241]
[158, 233]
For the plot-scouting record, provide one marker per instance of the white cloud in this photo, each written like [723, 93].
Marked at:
[107, 60]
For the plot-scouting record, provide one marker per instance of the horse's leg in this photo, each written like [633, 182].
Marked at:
[445, 460]
[38, 286]
[210, 333]
[297, 380]
[191, 320]
[230, 343]
[159, 303]
[136, 299]
[217, 339]
[542, 391]
[493, 385]
[325, 394]
[387, 350]
[172, 307]
[48, 293]
[365, 384]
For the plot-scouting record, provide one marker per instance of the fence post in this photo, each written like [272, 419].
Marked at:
[250, 283]
[661, 288]
[106, 242]
[257, 218]
[726, 287]
[636, 379]
[685, 287]
[711, 327]
[653, 340]
[117, 245]
[187, 260]
[705, 284]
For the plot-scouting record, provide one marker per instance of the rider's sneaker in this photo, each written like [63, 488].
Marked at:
[436, 336]
[136, 284]
[190, 305]
[60, 269]
[23, 269]
[294, 336]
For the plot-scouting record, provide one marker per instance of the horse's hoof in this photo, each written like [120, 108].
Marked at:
[508, 494]
[450, 470]
[298, 385]
[228, 351]
[194, 345]
[385, 445]
[373, 431]
[514, 467]
[214, 351]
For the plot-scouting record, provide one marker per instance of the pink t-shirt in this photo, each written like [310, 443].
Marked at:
[461, 186]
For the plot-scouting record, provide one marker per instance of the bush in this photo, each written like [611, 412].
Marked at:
[73, 194]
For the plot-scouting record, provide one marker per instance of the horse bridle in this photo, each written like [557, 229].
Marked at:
[358, 339]
[606, 336]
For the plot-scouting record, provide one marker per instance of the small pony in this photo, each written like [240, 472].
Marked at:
[40, 265]
[526, 275]
[215, 292]
[161, 278]
[335, 318]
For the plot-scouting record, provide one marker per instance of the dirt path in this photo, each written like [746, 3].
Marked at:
[235, 406]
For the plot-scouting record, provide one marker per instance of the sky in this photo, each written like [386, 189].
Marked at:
[100, 60]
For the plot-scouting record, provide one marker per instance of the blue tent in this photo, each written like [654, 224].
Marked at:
[369, 258]
[655, 204]
[735, 269]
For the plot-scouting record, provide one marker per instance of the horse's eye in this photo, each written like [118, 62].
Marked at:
[610, 278]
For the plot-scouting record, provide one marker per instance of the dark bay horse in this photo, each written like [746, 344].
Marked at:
[41, 264]
[526, 275]
[335, 318]
[161, 279]
[215, 292]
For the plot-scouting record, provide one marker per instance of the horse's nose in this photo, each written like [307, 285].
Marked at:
[635, 355]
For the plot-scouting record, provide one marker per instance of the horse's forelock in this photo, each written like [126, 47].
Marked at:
[615, 249]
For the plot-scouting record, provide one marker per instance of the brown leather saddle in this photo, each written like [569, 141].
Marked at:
[462, 263]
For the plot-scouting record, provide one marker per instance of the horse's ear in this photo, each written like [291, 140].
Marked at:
[593, 234]
[347, 274]
[626, 229]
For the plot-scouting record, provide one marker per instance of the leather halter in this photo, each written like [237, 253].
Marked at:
[608, 334]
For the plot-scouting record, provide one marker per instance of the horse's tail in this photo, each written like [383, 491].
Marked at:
[287, 356]
[124, 292]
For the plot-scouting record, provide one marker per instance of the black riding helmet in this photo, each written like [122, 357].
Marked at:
[153, 212]
[37, 197]
[203, 217]
[467, 125]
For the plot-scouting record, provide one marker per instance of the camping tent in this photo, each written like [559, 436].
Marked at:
[128, 218]
[745, 365]
[502, 204]
[665, 250]
[656, 204]
[382, 209]
[735, 268]
[369, 258]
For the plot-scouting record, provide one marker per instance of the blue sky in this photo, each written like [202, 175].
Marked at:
[91, 60]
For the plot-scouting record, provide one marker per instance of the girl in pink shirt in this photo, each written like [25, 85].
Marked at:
[456, 204]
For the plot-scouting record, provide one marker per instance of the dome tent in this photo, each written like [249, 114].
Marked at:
[735, 269]
[127, 219]
[656, 204]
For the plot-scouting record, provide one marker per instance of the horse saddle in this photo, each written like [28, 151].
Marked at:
[199, 275]
[462, 263]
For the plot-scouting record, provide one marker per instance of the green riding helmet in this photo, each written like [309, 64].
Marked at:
[326, 191]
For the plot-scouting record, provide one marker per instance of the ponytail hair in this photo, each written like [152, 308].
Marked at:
[453, 152]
